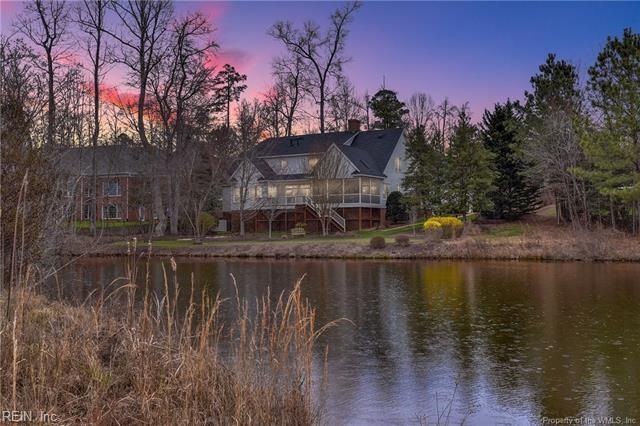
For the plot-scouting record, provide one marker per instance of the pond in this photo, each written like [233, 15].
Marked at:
[483, 342]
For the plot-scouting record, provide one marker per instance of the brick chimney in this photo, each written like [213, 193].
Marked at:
[353, 125]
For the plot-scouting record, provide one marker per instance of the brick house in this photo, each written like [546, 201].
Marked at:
[122, 191]
[373, 161]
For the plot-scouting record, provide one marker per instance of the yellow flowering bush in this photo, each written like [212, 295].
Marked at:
[448, 226]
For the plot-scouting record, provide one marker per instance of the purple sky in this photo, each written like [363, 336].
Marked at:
[477, 52]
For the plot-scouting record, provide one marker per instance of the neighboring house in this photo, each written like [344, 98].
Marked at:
[284, 180]
[122, 191]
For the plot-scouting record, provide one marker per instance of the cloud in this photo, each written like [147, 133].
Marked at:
[239, 58]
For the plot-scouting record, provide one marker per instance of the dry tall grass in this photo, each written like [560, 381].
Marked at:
[156, 364]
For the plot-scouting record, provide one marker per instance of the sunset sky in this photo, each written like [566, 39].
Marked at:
[477, 52]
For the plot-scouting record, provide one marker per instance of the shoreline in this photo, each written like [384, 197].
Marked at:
[588, 248]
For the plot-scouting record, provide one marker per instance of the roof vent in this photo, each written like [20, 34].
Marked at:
[353, 125]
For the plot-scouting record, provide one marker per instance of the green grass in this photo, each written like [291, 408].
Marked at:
[109, 224]
[509, 230]
[389, 232]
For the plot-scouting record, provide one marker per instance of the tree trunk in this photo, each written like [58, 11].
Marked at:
[242, 222]
[158, 208]
[51, 112]
[96, 133]
[322, 108]
[174, 207]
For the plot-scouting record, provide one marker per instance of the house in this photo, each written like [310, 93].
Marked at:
[122, 191]
[287, 180]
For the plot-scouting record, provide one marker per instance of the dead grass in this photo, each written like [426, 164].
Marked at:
[112, 361]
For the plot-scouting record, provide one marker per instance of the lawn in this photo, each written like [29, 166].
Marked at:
[360, 237]
[109, 224]
[507, 230]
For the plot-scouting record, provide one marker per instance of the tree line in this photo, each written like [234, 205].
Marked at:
[572, 143]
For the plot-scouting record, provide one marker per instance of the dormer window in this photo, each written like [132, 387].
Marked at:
[398, 165]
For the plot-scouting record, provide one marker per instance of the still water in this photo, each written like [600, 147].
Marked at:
[481, 342]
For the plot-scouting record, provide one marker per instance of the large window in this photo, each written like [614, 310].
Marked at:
[111, 188]
[110, 211]
[398, 165]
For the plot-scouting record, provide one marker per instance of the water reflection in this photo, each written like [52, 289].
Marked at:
[504, 342]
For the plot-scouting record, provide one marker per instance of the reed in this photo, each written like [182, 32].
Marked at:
[155, 363]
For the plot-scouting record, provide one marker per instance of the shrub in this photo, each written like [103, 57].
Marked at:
[432, 229]
[402, 240]
[396, 211]
[377, 243]
[207, 222]
[450, 227]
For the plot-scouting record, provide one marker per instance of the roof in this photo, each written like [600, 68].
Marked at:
[369, 151]
[300, 145]
[110, 160]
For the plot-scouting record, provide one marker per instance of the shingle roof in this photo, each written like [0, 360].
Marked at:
[369, 151]
[303, 144]
[110, 160]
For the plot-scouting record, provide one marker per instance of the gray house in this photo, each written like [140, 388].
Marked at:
[342, 176]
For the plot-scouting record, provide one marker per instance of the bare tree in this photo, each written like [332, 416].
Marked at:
[326, 186]
[248, 131]
[91, 20]
[291, 84]
[141, 28]
[421, 110]
[180, 85]
[554, 147]
[344, 104]
[323, 53]
[45, 24]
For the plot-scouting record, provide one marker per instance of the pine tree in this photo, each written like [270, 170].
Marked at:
[387, 109]
[614, 149]
[515, 193]
[425, 178]
[469, 175]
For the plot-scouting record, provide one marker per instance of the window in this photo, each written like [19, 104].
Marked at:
[283, 164]
[86, 189]
[312, 162]
[141, 213]
[375, 187]
[236, 195]
[87, 208]
[71, 188]
[110, 211]
[398, 165]
[111, 188]
[365, 186]
[260, 191]
[273, 191]
[386, 189]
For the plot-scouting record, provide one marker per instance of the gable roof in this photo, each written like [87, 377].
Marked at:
[111, 160]
[369, 151]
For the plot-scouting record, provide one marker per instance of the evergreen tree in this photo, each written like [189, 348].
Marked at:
[469, 174]
[515, 193]
[230, 86]
[614, 150]
[425, 178]
[387, 109]
[396, 211]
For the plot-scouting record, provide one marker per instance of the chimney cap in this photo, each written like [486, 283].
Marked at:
[353, 125]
